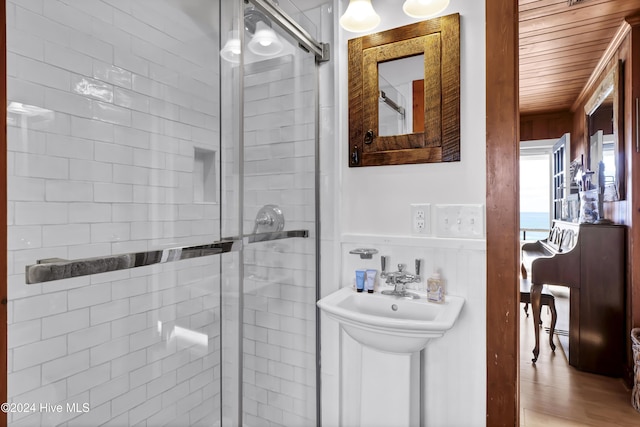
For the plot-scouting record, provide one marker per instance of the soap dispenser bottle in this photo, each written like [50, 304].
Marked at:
[435, 290]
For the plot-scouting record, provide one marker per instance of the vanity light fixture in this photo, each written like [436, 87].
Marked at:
[265, 41]
[232, 50]
[424, 8]
[360, 15]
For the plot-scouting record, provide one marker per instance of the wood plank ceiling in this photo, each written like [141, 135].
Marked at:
[560, 46]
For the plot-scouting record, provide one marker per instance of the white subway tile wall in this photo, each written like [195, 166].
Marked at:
[108, 101]
[279, 387]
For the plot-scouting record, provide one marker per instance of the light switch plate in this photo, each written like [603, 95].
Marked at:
[463, 221]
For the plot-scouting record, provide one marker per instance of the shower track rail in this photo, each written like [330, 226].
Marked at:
[306, 40]
[50, 269]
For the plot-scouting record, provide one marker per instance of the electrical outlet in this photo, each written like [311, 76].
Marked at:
[464, 221]
[421, 218]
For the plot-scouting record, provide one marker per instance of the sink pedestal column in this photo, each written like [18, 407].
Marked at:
[378, 388]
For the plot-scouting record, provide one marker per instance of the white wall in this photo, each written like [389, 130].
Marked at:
[374, 212]
[376, 199]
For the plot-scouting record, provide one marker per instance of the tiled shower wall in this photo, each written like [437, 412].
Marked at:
[108, 102]
[279, 276]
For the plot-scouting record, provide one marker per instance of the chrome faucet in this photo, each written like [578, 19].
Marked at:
[399, 279]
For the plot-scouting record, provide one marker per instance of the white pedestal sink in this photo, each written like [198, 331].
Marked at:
[380, 379]
[392, 324]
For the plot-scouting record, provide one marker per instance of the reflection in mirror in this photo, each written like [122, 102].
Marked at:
[603, 145]
[392, 111]
[595, 155]
[396, 85]
[608, 159]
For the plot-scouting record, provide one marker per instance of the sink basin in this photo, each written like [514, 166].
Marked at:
[388, 323]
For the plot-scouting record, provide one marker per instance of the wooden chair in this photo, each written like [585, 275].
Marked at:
[546, 298]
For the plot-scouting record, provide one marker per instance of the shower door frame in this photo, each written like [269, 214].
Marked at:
[3, 215]
[321, 52]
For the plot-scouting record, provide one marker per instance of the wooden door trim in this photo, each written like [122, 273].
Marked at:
[502, 212]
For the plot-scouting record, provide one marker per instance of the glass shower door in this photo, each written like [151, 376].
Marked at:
[280, 143]
[114, 159]
[145, 287]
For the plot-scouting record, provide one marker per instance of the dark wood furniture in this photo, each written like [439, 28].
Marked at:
[546, 298]
[589, 259]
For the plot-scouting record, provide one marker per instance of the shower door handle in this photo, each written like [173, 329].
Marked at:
[46, 270]
[50, 269]
[275, 235]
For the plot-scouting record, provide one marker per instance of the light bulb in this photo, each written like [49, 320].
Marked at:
[424, 8]
[265, 41]
[359, 16]
[231, 50]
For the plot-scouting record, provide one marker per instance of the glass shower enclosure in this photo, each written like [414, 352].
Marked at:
[163, 198]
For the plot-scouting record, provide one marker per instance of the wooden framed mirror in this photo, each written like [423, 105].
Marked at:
[605, 147]
[420, 64]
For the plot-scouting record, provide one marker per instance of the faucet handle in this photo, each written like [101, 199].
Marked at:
[418, 266]
[384, 260]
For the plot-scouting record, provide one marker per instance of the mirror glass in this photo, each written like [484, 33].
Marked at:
[603, 146]
[401, 95]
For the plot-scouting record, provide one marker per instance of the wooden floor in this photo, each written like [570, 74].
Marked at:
[553, 393]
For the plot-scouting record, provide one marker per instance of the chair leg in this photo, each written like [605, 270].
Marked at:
[552, 328]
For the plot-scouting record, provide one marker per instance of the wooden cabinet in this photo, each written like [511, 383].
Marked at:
[438, 138]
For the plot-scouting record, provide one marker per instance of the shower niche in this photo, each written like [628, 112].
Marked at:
[204, 176]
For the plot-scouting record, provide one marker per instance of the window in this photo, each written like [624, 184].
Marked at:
[535, 196]
[535, 189]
